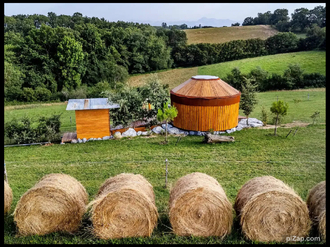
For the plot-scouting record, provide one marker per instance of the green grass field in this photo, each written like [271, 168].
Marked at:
[226, 34]
[298, 160]
[309, 61]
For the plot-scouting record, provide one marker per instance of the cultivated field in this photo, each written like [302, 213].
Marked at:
[298, 160]
[226, 34]
[309, 61]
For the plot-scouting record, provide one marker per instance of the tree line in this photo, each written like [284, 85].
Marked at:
[59, 57]
[301, 20]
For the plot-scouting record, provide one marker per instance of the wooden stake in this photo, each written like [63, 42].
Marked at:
[295, 132]
[288, 134]
[166, 172]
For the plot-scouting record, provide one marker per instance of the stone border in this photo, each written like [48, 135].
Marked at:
[253, 122]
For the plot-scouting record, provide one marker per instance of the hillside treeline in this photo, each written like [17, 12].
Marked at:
[301, 19]
[59, 57]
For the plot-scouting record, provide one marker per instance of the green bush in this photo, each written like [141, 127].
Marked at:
[28, 94]
[79, 93]
[313, 80]
[282, 42]
[260, 77]
[98, 89]
[43, 94]
[294, 76]
[26, 131]
[21, 130]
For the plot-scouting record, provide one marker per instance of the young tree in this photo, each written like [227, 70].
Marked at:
[167, 114]
[279, 108]
[248, 98]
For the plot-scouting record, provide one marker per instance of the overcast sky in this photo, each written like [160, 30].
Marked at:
[155, 11]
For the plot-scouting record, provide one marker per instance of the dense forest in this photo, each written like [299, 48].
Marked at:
[56, 57]
[301, 19]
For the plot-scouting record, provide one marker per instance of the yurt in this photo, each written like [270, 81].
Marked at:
[205, 102]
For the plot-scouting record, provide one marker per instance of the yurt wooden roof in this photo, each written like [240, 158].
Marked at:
[205, 90]
[204, 86]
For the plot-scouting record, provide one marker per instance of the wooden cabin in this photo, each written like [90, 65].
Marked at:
[92, 116]
[205, 102]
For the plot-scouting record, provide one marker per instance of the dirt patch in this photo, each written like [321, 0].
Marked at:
[287, 125]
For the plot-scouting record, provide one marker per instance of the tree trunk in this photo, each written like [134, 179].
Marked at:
[209, 138]
[247, 120]
[166, 132]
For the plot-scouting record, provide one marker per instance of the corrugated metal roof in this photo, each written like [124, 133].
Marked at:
[90, 104]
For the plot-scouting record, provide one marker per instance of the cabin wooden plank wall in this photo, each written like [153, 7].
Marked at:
[204, 118]
[92, 123]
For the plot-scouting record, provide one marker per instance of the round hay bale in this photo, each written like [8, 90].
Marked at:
[316, 205]
[8, 197]
[199, 207]
[269, 210]
[124, 207]
[56, 203]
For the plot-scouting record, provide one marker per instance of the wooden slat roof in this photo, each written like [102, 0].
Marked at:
[205, 86]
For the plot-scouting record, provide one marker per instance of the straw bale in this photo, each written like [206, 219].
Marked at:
[199, 207]
[316, 204]
[269, 210]
[8, 197]
[56, 203]
[124, 207]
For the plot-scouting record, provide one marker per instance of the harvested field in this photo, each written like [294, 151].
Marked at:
[173, 77]
[226, 34]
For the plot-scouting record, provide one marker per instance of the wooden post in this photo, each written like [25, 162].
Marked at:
[166, 172]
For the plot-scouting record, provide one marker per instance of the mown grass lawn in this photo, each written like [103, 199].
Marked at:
[297, 160]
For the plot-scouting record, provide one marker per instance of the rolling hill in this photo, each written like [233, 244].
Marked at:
[309, 61]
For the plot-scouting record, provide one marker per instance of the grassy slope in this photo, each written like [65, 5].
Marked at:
[310, 62]
[299, 161]
[226, 34]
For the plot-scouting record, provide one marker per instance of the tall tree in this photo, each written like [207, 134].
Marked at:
[279, 15]
[71, 56]
[248, 21]
[300, 19]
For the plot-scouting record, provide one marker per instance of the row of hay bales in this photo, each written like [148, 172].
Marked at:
[124, 206]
